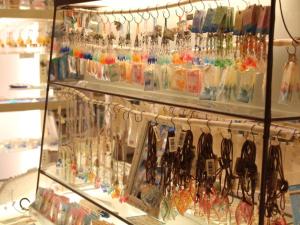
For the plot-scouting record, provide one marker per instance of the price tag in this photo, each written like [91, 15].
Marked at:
[156, 132]
[210, 167]
[172, 144]
[181, 138]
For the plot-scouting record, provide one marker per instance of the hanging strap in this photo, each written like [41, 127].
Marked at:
[151, 163]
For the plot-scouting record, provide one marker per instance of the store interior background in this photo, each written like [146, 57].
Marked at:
[25, 68]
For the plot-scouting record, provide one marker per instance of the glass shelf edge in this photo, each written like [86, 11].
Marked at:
[83, 195]
[241, 116]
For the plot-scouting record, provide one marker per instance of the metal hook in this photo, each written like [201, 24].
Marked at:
[203, 4]
[113, 14]
[247, 3]
[128, 19]
[229, 126]
[127, 114]
[136, 20]
[172, 122]
[156, 117]
[277, 135]
[171, 110]
[108, 108]
[130, 13]
[228, 130]
[216, 3]
[135, 118]
[167, 9]
[192, 8]
[157, 13]
[295, 49]
[107, 19]
[146, 19]
[188, 120]
[122, 107]
[123, 17]
[252, 131]
[183, 112]
[207, 124]
[114, 108]
[182, 10]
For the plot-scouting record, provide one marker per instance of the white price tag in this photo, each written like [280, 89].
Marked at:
[172, 144]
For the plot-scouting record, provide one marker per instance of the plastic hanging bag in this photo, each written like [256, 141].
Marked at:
[151, 82]
[211, 81]
[125, 70]
[290, 85]
[228, 23]
[113, 72]
[179, 79]
[72, 67]
[250, 19]
[198, 21]
[238, 23]
[137, 73]
[208, 25]
[263, 24]
[246, 85]
[218, 21]
[134, 129]
[228, 84]
[194, 81]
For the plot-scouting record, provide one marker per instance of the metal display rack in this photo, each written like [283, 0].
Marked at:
[266, 117]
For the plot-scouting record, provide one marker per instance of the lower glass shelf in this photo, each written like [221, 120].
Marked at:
[127, 213]
[41, 220]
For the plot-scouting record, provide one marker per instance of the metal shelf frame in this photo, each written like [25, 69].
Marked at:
[267, 119]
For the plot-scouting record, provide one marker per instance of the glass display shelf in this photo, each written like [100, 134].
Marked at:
[177, 99]
[41, 220]
[126, 212]
[25, 50]
[11, 105]
[131, 215]
[45, 14]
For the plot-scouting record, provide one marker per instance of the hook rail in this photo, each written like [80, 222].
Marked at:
[156, 8]
[287, 134]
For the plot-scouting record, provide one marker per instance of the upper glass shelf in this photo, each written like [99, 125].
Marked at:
[178, 99]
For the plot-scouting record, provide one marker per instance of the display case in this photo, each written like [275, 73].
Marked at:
[24, 53]
[170, 117]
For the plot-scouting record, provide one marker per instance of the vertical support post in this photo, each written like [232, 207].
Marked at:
[47, 96]
[267, 116]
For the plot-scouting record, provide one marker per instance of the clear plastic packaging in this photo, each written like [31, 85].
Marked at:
[179, 78]
[137, 73]
[151, 81]
[228, 86]
[211, 80]
[246, 85]
[194, 81]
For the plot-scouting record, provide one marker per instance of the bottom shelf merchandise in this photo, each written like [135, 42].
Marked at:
[142, 164]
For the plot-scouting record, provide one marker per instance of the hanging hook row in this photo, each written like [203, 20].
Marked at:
[165, 8]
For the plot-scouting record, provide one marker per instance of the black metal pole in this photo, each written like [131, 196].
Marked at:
[46, 101]
[268, 115]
